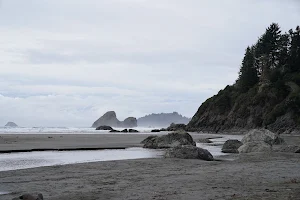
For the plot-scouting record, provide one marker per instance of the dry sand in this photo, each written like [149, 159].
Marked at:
[250, 176]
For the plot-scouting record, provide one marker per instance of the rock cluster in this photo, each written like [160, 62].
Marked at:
[110, 119]
[179, 144]
[30, 197]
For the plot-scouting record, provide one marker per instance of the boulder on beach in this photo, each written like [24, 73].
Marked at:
[231, 146]
[256, 146]
[133, 131]
[110, 119]
[205, 140]
[11, 124]
[124, 131]
[170, 140]
[176, 127]
[30, 197]
[105, 128]
[262, 135]
[114, 131]
[189, 152]
[148, 139]
[155, 130]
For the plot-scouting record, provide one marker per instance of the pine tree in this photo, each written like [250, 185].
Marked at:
[294, 61]
[248, 73]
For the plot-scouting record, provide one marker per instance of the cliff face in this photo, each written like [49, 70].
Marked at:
[110, 119]
[272, 106]
[162, 120]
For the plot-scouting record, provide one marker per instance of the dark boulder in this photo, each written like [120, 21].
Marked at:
[170, 140]
[114, 131]
[30, 197]
[176, 127]
[133, 131]
[205, 140]
[151, 139]
[189, 152]
[105, 128]
[231, 146]
[155, 130]
[124, 131]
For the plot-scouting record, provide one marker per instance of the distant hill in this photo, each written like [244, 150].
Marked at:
[267, 92]
[162, 120]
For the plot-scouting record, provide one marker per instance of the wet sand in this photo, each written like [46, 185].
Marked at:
[38, 142]
[249, 176]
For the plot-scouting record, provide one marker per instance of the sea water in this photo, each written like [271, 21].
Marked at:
[14, 161]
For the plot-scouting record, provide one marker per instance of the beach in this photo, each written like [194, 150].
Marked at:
[246, 176]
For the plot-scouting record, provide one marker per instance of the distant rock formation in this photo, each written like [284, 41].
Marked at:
[11, 124]
[110, 119]
[162, 120]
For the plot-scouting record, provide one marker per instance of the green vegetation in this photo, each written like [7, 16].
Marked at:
[267, 91]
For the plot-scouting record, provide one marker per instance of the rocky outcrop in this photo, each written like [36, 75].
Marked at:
[176, 127]
[162, 120]
[133, 131]
[110, 119]
[155, 130]
[231, 146]
[205, 140]
[263, 135]
[259, 140]
[104, 128]
[189, 152]
[129, 122]
[170, 140]
[11, 124]
[30, 197]
[256, 146]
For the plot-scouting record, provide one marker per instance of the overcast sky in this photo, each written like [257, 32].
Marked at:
[67, 62]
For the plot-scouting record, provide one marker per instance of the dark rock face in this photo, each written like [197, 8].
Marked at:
[30, 197]
[231, 146]
[263, 106]
[176, 127]
[162, 120]
[189, 152]
[11, 124]
[170, 140]
[110, 119]
[114, 131]
[105, 128]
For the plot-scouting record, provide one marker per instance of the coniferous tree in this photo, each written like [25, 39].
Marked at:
[248, 73]
[294, 61]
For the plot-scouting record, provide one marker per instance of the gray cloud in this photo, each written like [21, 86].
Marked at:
[75, 59]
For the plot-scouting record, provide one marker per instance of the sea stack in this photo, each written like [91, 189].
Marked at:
[11, 124]
[110, 119]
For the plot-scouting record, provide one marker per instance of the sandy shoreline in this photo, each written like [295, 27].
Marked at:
[250, 176]
[31, 142]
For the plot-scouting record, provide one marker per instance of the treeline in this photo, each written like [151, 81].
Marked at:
[273, 59]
